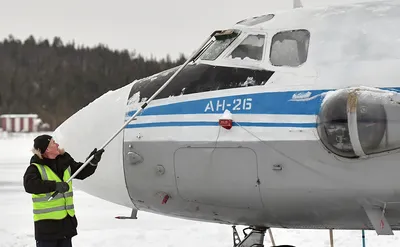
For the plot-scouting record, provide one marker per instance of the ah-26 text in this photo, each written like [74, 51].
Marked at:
[220, 105]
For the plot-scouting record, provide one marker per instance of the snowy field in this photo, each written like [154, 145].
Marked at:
[98, 226]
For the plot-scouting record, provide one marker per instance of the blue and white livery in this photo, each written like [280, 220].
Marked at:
[313, 99]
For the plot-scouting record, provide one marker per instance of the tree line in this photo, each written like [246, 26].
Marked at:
[54, 80]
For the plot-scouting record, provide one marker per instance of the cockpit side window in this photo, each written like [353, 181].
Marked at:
[290, 48]
[252, 47]
[218, 45]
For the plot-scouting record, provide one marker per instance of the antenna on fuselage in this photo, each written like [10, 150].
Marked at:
[297, 4]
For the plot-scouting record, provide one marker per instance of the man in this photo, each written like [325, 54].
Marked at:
[50, 167]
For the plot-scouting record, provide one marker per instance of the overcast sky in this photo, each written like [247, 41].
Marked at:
[155, 27]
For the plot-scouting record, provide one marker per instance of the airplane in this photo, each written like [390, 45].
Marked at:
[281, 121]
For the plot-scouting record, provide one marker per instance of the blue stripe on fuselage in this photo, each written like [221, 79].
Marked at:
[305, 102]
[208, 123]
[257, 103]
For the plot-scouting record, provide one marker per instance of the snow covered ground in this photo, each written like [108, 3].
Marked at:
[98, 227]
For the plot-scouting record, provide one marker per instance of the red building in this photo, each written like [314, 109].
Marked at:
[19, 122]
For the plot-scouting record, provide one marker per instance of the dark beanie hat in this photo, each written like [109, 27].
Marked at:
[42, 142]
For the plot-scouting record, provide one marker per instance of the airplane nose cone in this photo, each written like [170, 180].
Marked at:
[90, 128]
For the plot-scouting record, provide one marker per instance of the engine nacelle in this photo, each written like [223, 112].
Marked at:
[356, 122]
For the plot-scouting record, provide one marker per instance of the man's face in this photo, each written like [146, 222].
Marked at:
[53, 145]
[52, 150]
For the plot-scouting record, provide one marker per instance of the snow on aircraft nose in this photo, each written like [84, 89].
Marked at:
[90, 128]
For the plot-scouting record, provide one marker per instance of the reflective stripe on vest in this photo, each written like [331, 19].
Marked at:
[61, 205]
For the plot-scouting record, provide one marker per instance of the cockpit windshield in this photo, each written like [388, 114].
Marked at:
[252, 47]
[218, 44]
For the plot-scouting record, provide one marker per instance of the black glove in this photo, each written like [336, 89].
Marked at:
[62, 187]
[97, 156]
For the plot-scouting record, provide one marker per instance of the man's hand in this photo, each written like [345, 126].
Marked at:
[62, 187]
[97, 156]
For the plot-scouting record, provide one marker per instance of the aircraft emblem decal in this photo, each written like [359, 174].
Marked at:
[306, 96]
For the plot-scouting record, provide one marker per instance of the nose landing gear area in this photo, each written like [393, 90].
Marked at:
[253, 239]
[256, 238]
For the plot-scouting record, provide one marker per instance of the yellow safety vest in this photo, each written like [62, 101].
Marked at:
[61, 205]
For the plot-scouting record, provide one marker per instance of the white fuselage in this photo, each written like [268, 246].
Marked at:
[271, 168]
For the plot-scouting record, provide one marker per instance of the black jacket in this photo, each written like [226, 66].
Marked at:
[33, 183]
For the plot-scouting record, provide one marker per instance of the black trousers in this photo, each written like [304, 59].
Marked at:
[65, 242]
